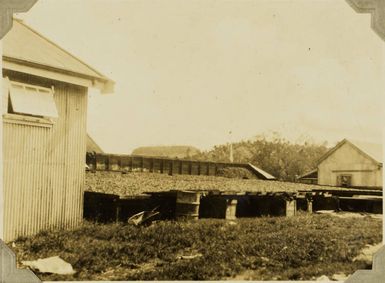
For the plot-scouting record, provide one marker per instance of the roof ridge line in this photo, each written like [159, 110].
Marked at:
[338, 145]
[20, 21]
[363, 152]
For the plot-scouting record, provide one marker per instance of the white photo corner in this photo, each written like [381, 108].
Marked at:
[223, 150]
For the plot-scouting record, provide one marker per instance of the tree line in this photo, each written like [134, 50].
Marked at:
[277, 156]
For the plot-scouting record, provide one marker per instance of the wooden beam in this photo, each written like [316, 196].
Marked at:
[152, 165]
[131, 163]
[107, 163]
[170, 171]
[120, 163]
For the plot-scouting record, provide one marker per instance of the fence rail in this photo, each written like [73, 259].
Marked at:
[118, 162]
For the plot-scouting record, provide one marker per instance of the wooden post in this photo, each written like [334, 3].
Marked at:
[291, 207]
[190, 167]
[107, 162]
[215, 169]
[142, 164]
[199, 168]
[162, 166]
[208, 169]
[131, 162]
[94, 162]
[118, 208]
[309, 202]
[171, 169]
[181, 167]
[231, 209]
[152, 165]
[120, 163]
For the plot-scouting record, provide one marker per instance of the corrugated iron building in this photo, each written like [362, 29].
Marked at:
[45, 93]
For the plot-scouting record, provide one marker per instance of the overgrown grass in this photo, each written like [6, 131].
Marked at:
[297, 248]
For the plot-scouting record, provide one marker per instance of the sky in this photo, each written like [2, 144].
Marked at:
[208, 72]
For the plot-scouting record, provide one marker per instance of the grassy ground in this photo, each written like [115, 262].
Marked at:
[134, 183]
[297, 248]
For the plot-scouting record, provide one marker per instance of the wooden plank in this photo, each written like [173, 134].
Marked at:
[107, 163]
[152, 165]
[119, 163]
[171, 168]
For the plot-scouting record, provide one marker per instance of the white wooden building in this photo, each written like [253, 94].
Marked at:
[352, 164]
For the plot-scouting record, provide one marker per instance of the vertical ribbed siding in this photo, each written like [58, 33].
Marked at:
[23, 177]
[44, 168]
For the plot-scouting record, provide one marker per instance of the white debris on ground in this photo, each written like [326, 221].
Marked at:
[343, 214]
[367, 253]
[323, 278]
[335, 277]
[53, 264]
[190, 256]
[340, 277]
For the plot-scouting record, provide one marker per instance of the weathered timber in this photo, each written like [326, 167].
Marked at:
[325, 202]
[187, 205]
[217, 206]
[356, 204]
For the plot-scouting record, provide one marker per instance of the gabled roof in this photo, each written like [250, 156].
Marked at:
[23, 45]
[374, 150]
[261, 173]
[92, 146]
[309, 175]
[370, 150]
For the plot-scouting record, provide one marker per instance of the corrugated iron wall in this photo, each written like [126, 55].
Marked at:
[44, 167]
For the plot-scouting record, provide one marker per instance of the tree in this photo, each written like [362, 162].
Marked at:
[276, 155]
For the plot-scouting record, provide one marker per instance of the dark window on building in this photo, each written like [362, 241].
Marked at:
[344, 180]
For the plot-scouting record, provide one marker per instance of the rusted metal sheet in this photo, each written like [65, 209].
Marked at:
[44, 167]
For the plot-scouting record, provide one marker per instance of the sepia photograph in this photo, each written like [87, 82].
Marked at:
[230, 140]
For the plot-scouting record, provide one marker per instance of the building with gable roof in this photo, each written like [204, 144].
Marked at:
[350, 163]
[45, 92]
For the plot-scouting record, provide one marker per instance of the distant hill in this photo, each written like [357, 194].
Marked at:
[172, 151]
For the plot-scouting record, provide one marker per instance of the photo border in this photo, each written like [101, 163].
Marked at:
[8, 271]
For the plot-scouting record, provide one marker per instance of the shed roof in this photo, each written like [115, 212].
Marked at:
[313, 174]
[23, 45]
[371, 150]
[261, 173]
[92, 146]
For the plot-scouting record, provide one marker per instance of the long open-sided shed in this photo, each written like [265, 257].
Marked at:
[44, 132]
